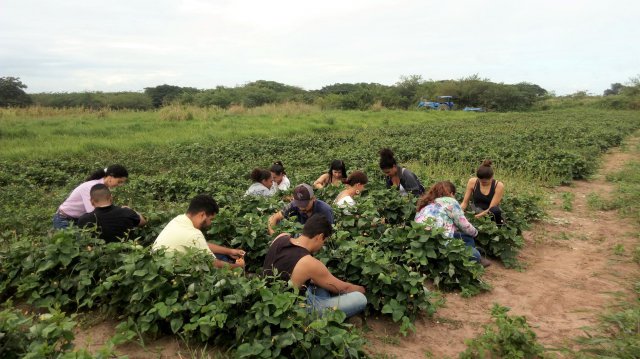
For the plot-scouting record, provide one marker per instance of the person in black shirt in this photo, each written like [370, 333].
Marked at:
[486, 193]
[111, 222]
[292, 259]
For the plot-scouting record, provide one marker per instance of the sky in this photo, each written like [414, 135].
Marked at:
[116, 45]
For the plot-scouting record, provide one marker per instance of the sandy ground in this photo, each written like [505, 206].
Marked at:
[571, 275]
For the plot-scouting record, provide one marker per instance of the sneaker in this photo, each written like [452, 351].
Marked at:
[485, 262]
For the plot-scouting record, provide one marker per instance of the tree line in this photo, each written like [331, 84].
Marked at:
[471, 91]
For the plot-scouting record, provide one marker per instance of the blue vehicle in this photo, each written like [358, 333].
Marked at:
[443, 103]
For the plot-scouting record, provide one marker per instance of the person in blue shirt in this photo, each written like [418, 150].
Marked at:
[304, 205]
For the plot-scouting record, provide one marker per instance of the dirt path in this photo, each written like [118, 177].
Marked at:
[572, 273]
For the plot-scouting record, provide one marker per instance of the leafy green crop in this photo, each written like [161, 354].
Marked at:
[510, 337]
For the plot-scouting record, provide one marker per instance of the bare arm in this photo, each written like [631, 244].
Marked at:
[311, 268]
[273, 221]
[467, 193]
[143, 221]
[321, 181]
[497, 197]
[234, 253]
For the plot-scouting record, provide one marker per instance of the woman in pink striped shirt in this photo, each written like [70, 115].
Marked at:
[79, 201]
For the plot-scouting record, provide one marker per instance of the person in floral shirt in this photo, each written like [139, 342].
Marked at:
[439, 208]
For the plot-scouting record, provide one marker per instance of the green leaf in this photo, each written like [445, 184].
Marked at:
[176, 324]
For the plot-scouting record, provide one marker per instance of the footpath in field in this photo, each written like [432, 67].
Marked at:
[577, 263]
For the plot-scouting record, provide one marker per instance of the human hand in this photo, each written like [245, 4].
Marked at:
[236, 253]
[240, 262]
[359, 288]
[481, 214]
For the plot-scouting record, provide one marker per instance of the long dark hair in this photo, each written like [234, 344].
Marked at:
[387, 160]
[337, 165]
[116, 171]
[278, 168]
[440, 189]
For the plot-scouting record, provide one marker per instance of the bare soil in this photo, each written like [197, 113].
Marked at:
[572, 274]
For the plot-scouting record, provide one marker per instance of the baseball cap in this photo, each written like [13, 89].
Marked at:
[302, 194]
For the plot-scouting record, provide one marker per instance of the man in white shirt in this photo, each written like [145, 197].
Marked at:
[185, 231]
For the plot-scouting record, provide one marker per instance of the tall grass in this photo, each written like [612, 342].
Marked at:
[37, 132]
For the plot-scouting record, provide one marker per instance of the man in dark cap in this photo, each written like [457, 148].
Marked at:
[303, 206]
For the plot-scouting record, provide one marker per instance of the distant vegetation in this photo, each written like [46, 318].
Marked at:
[405, 94]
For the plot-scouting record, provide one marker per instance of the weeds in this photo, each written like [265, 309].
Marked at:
[597, 203]
[508, 337]
[618, 335]
[618, 249]
[567, 201]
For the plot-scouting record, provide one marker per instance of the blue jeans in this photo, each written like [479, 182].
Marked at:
[224, 258]
[60, 222]
[468, 240]
[319, 299]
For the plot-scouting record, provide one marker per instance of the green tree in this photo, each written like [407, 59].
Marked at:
[12, 92]
[614, 90]
[164, 94]
[407, 88]
[633, 87]
[221, 96]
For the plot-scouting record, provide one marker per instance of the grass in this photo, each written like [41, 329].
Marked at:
[618, 334]
[567, 201]
[627, 195]
[597, 203]
[37, 132]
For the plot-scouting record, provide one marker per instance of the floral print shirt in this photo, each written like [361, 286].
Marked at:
[446, 212]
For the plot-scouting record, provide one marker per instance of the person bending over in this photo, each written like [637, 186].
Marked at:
[439, 207]
[401, 178]
[356, 182]
[262, 183]
[280, 179]
[112, 222]
[79, 201]
[185, 231]
[486, 193]
[304, 205]
[292, 259]
[336, 174]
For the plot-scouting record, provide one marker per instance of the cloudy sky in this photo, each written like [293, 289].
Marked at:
[86, 45]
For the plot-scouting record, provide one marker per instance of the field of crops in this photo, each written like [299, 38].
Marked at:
[402, 265]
